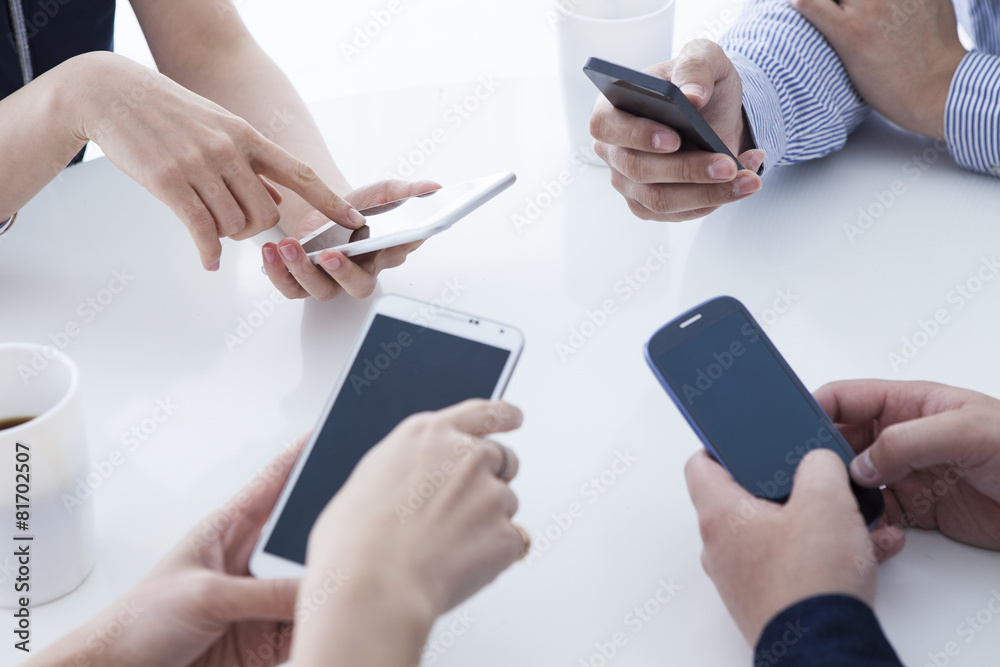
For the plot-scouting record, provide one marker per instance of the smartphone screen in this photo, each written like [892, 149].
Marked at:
[744, 401]
[400, 369]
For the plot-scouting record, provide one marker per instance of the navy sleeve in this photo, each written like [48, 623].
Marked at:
[825, 631]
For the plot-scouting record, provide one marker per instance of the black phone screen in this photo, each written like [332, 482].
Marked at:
[401, 369]
[753, 414]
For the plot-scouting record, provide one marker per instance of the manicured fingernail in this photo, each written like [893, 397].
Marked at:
[355, 217]
[214, 267]
[722, 170]
[745, 185]
[332, 264]
[693, 90]
[666, 141]
[289, 252]
[862, 469]
[269, 255]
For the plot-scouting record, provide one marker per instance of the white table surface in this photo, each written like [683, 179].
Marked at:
[164, 338]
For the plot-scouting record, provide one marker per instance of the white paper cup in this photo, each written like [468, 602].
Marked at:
[633, 33]
[42, 460]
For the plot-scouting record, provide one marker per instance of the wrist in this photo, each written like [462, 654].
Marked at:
[932, 122]
[371, 603]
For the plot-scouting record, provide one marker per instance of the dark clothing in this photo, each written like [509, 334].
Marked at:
[825, 631]
[57, 30]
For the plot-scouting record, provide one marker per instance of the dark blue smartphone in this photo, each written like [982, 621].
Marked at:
[740, 396]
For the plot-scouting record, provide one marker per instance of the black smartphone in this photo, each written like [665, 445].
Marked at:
[740, 396]
[657, 99]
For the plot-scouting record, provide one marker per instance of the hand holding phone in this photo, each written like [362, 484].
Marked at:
[664, 171]
[410, 357]
[743, 401]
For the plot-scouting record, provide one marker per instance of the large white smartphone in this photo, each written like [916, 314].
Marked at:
[403, 362]
[407, 220]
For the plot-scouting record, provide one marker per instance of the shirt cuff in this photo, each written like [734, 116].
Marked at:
[825, 631]
[972, 113]
[761, 105]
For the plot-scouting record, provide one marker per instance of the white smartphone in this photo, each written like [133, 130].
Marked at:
[406, 220]
[402, 363]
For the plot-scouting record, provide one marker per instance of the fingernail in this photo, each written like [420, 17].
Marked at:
[745, 185]
[269, 255]
[214, 267]
[862, 469]
[666, 141]
[355, 217]
[757, 159]
[722, 170]
[331, 264]
[693, 90]
[289, 252]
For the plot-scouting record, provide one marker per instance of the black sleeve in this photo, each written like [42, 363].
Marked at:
[825, 631]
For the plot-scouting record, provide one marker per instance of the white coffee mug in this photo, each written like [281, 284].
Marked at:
[47, 536]
[633, 33]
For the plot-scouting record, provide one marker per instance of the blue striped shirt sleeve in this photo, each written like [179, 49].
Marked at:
[972, 114]
[796, 93]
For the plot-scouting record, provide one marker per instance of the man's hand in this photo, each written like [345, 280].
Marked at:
[901, 57]
[765, 557]
[937, 448]
[658, 181]
[297, 277]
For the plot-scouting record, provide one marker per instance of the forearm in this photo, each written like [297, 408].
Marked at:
[40, 133]
[368, 620]
[244, 80]
[796, 92]
[971, 122]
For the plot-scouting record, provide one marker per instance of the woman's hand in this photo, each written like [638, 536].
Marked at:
[294, 274]
[423, 523]
[199, 607]
[209, 166]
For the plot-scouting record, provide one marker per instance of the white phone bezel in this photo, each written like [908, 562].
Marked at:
[266, 565]
[437, 222]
